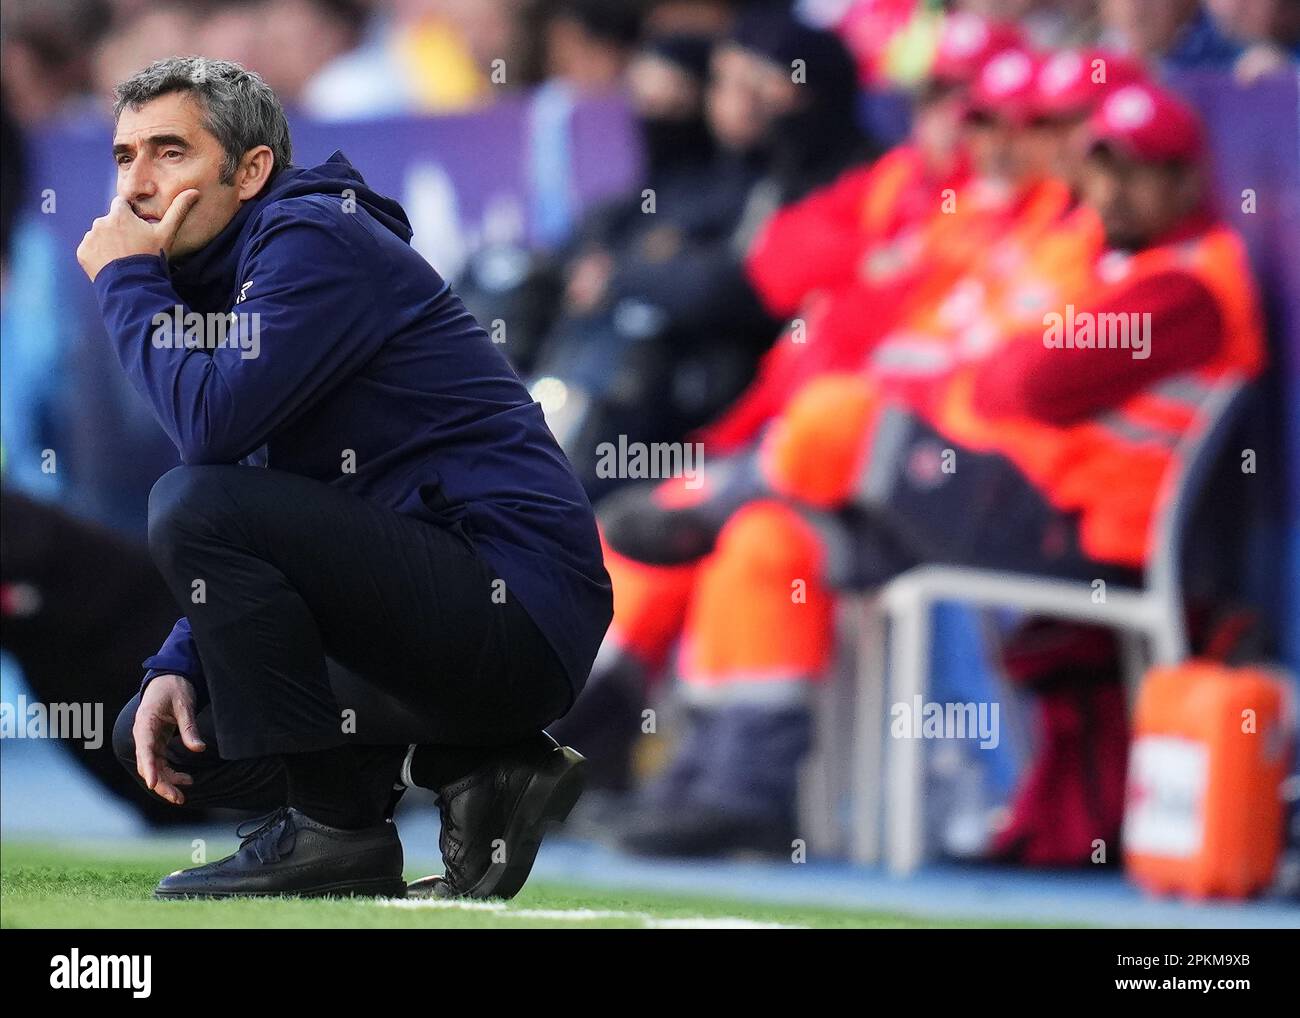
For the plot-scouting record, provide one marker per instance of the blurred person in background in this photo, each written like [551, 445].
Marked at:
[711, 18]
[293, 42]
[1046, 24]
[1268, 29]
[987, 225]
[624, 325]
[586, 43]
[661, 332]
[228, 29]
[1167, 34]
[579, 51]
[46, 51]
[415, 57]
[1073, 670]
[1062, 450]
[846, 258]
[791, 90]
[586, 46]
[666, 80]
[298, 39]
[1027, 120]
[891, 40]
[1069, 87]
[139, 37]
[34, 390]
[873, 301]
[62, 575]
[13, 181]
[1004, 193]
[843, 261]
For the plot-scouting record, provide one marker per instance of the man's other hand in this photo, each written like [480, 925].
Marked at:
[166, 707]
[122, 233]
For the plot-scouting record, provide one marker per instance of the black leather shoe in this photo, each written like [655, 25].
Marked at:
[291, 854]
[493, 819]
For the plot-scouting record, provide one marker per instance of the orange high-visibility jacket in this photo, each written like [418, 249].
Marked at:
[1039, 265]
[806, 260]
[1110, 467]
[814, 244]
[818, 448]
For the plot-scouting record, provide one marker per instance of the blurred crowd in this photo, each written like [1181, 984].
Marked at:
[360, 58]
[913, 293]
[827, 318]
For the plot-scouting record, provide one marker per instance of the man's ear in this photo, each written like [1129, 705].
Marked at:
[254, 171]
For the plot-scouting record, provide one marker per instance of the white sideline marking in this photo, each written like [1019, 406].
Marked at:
[588, 915]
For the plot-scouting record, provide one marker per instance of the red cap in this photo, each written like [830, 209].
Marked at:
[1149, 124]
[1005, 84]
[966, 41]
[1074, 82]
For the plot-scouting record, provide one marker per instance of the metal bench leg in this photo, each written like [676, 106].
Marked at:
[822, 776]
[868, 734]
[905, 774]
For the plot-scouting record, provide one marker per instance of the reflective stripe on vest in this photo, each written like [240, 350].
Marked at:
[1124, 428]
[1188, 392]
[889, 442]
[783, 690]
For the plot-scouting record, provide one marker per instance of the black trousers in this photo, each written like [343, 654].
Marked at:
[323, 619]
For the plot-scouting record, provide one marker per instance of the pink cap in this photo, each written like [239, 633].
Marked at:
[1005, 84]
[1149, 124]
[966, 41]
[1073, 81]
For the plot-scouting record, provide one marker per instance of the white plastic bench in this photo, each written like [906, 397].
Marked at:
[893, 653]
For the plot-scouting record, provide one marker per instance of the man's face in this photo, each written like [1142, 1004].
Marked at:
[745, 95]
[162, 149]
[1056, 146]
[936, 124]
[1137, 201]
[996, 148]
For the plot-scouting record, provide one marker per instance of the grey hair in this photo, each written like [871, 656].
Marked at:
[239, 108]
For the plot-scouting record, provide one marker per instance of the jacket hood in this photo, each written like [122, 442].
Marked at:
[334, 176]
[206, 278]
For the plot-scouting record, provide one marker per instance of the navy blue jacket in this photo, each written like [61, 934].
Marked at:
[362, 346]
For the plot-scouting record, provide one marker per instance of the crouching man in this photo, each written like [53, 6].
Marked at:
[390, 574]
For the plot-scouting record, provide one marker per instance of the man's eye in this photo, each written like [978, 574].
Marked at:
[172, 153]
[123, 160]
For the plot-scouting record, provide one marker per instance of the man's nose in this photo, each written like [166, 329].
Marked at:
[1105, 193]
[137, 182]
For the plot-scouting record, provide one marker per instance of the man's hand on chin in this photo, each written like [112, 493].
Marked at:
[122, 233]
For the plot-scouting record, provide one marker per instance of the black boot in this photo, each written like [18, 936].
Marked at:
[292, 854]
[493, 819]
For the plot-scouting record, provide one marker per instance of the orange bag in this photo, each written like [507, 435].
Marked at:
[1211, 745]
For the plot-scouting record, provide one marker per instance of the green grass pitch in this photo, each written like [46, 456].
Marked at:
[61, 887]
